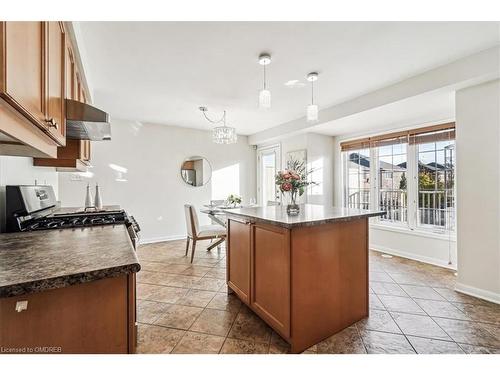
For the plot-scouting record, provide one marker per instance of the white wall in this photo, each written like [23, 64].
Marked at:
[478, 189]
[319, 158]
[16, 170]
[154, 191]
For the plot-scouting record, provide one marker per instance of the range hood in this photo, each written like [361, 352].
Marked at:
[86, 122]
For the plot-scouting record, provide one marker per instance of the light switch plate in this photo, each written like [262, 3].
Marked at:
[21, 306]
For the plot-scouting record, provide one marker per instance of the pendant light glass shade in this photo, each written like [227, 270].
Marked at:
[264, 94]
[265, 99]
[312, 109]
[312, 112]
[224, 135]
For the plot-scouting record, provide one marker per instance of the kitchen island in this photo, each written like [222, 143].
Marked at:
[305, 275]
[68, 290]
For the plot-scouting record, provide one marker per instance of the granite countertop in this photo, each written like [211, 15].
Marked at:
[310, 214]
[49, 259]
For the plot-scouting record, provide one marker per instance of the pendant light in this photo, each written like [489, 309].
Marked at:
[312, 109]
[264, 94]
[221, 134]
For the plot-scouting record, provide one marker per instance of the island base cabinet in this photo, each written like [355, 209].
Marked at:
[93, 317]
[329, 280]
[270, 277]
[238, 260]
[307, 282]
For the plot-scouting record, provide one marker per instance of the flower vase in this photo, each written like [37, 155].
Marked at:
[292, 209]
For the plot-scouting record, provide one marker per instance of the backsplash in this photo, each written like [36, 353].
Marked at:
[16, 170]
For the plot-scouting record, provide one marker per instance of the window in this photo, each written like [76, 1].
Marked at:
[392, 182]
[357, 164]
[412, 177]
[436, 182]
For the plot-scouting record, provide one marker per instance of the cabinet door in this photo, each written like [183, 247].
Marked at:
[83, 97]
[22, 74]
[238, 258]
[70, 72]
[56, 48]
[270, 276]
[78, 93]
[87, 148]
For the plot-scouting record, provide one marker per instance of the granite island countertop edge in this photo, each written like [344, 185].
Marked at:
[311, 222]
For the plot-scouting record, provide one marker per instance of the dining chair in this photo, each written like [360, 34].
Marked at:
[195, 232]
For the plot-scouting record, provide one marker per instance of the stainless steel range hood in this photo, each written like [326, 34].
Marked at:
[86, 122]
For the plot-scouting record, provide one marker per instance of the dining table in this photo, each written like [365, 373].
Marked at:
[218, 214]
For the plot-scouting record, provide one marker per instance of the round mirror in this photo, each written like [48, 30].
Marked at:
[196, 171]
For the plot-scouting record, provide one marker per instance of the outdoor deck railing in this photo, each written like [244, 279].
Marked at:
[435, 207]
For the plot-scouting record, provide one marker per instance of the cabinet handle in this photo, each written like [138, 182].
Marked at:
[52, 123]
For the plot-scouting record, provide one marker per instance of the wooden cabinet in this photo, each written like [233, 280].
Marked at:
[75, 91]
[238, 262]
[38, 71]
[22, 76]
[75, 156]
[86, 150]
[93, 317]
[270, 276]
[307, 282]
[259, 270]
[56, 49]
[32, 74]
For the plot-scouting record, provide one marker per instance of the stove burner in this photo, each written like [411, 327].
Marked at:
[76, 221]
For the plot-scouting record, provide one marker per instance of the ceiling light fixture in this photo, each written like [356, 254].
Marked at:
[312, 109]
[264, 94]
[294, 83]
[221, 134]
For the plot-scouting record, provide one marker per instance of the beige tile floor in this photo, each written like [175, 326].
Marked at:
[185, 308]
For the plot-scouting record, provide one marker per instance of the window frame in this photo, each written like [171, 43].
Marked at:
[345, 175]
[412, 223]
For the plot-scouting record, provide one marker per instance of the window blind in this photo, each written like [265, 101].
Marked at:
[434, 133]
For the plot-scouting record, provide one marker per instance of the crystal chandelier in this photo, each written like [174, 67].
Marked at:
[312, 109]
[264, 94]
[221, 134]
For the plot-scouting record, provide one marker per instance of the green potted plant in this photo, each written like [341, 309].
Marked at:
[233, 200]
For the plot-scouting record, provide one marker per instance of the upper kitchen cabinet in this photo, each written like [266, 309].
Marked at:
[56, 49]
[75, 155]
[32, 88]
[22, 75]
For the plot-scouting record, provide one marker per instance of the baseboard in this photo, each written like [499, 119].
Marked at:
[479, 293]
[419, 258]
[145, 241]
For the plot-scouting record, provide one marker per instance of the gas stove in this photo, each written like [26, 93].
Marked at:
[74, 221]
[31, 208]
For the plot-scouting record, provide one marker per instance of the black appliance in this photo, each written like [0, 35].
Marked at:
[34, 207]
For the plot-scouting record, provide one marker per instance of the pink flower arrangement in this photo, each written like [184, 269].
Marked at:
[293, 180]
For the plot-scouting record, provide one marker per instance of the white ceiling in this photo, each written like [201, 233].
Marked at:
[430, 107]
[162, 71]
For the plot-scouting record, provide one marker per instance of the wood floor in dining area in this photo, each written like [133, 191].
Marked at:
[185, 308]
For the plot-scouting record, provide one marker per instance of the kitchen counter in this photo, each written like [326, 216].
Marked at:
[42, 260]
[310, 215]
